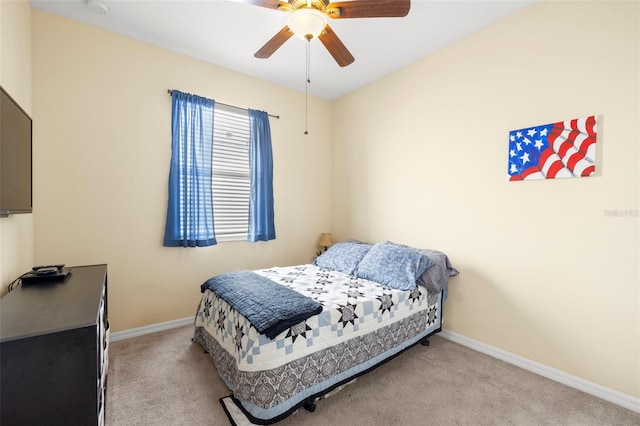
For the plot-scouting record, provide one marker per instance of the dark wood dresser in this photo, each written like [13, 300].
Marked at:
[54, 351]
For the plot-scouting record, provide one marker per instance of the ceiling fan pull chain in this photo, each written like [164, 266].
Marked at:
[306, 89]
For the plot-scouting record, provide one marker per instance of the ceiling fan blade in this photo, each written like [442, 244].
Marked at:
[337, 49]
[274, 44]
[269, 4]
[369, 9]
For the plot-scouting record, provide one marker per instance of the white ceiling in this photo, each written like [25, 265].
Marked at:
[228, 33]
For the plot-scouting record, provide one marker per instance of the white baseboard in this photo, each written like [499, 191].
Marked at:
[618, 398]
[148, 329]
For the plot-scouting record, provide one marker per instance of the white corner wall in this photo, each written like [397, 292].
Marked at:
[420, 157]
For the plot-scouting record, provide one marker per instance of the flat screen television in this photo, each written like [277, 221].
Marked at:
[15, 157]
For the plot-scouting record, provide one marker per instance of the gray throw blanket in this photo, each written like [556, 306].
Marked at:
[270, 307]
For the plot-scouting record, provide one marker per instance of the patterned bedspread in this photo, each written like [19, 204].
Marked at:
[361, 324]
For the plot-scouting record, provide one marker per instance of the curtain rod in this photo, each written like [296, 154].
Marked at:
[169, 91]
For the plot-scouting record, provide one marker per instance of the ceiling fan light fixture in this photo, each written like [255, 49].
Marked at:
[307, 23]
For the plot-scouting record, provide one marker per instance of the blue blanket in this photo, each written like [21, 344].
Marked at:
[270, 307]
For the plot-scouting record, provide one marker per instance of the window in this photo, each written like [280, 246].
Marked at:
[221, 175]
[231, 178]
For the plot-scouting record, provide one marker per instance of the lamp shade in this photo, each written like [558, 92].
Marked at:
[307, 23]
[325, 240]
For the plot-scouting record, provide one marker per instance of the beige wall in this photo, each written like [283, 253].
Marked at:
[420, 157]
[16, 231]
[102, 150]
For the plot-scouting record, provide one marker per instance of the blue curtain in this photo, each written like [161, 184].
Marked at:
[261, 217]
[190, 206]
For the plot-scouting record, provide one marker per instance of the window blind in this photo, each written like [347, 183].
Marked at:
[231, 180]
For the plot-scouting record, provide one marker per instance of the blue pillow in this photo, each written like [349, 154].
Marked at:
[393, 265]
[342, 257]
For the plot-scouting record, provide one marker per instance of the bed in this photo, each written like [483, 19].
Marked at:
[357, 306]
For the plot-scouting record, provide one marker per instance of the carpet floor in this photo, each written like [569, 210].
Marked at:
[164, 379]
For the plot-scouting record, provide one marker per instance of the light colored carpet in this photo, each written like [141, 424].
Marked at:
[164, 379]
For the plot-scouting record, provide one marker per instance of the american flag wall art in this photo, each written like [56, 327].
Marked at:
[558, 150]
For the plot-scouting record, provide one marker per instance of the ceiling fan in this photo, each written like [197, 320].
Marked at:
[308, 20]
